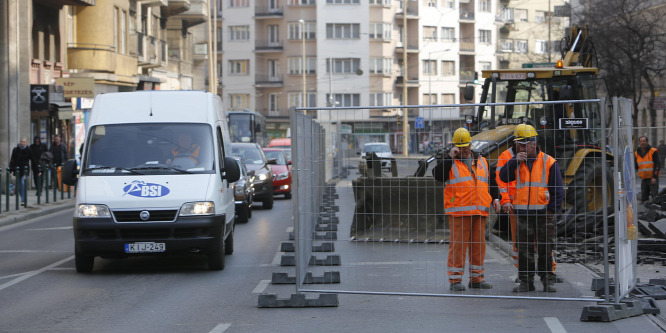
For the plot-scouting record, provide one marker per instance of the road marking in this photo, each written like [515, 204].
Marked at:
[554, 325]
[263, 284]
[54, 228]
[220, 328]
[277, 259]
[33, 273]
[290, 229]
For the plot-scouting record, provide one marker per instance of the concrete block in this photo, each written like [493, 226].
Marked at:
[287, 247]
[333, 260]
[327, 278]
[598, 313]
[329, 235]
[324, 247]
[326, 227]
[282, 278]
[288, 260]
[648, 305]
[656, 292]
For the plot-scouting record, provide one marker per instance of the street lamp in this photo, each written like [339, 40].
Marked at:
[302, 22]
[430, 87]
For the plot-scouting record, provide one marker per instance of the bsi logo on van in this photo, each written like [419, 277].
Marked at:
[573, 123]
[139, 188]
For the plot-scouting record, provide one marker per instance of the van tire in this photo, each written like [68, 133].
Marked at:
[229, 243]
[268, 202]
[83, 263]
[216, 260]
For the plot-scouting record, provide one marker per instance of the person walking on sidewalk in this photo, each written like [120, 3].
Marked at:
[539, 194]
[59, 151]
[21, 156]
[467, 203]
[648, 166]
[37, 148]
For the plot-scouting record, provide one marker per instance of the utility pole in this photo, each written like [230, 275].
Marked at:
[405, 114]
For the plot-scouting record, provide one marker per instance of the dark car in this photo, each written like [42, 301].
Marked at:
[255, 160]
[243, 193]
[281, 171]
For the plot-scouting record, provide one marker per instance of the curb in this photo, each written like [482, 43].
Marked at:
[16, 218]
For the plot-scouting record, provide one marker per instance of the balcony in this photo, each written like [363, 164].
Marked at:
[262, 46]
[268, 81]
[196, 14]
[154, 52]
[467, 16]
[175, 7]
[412, 82]
[466, 75]
[155, 3]
[412, 11]
[266, 12]
[467, 45]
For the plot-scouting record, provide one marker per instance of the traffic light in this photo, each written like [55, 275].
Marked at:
[476, 78]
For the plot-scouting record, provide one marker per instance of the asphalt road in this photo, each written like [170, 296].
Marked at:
[41, 291]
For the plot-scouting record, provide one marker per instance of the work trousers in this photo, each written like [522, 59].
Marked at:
[535, 231]
[648, 189]
[512, 222]
[467, 234]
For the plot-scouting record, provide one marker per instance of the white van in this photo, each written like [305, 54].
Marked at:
[154, 178]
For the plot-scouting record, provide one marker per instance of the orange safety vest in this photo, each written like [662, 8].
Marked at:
[506, 190]
[532, 187]
[465, 193]
[194, 152]
[646, 164]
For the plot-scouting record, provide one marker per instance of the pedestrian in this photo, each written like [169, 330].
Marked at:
[538, 197]
[661, 148]
[648, 165]
[59, 151]
[467, 203]
[21, 157]
[37, 148]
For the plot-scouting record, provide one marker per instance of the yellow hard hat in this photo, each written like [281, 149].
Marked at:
[524, 133]
[461, 137]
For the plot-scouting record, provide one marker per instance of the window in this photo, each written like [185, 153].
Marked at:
[295, 30]
[429, 33]
[541, 46]
[506, 45]
[540, 16]
[344, 65]
[448, 98]
[381, 2]
[381, 99]
[343, 30]
[448, 67]
[448, 35]
[520, 15]
[450, 4]
[485, 65]
[521, 46]
[273, 102]
[239, 101]
[507, 14]
[301, 2]
[239, 32]
[430, 67]
[239, 3]
[115, 28]
[380, 30]
[342, 2]
[343, 100]
[430, 99]
[485, 37]
[381, 65]
[296, 63]
[484, 6]
[430, 3]
[296, 100]
[238, 67]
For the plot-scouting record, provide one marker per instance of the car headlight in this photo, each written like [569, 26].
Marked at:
[93, 211]
[239, 190]
[262, 177]
[197, 208]
[283, 175]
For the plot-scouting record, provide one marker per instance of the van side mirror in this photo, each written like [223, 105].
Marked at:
[231, 170]
[469, 93]
[69, 173]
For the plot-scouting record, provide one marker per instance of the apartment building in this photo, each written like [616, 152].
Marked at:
[529, 33]
[354, 53]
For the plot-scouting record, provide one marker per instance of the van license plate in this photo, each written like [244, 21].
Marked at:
[145, 247]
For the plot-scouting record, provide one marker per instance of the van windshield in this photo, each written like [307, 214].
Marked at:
[154, 148]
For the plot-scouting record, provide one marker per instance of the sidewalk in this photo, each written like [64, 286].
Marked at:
[33, 209]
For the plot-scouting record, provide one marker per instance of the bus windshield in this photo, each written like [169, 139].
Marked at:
[246, 126]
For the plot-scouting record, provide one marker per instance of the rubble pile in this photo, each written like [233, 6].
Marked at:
[580, 237]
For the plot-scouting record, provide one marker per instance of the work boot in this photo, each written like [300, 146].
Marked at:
[558, 279]
[549, 286]
[480, 285]
[523, 287]
[457, 286]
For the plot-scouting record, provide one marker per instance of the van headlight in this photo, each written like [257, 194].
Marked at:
[197, 208]
[93, 211]
[239, 190]
[283, 175]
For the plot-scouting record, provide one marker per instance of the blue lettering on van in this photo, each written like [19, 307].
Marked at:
[139, 188]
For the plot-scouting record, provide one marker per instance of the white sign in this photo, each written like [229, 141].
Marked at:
[513, 76]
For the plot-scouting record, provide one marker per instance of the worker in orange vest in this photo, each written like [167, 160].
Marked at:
[538, 197]
[507, 193]
[467, 203]
[648, 166]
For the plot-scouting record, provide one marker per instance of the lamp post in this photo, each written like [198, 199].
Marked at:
[302, 22]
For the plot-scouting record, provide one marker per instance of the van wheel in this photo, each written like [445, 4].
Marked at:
[216, 256]
[83, 263]
[268, 203]
[243, 214]
[229, 243]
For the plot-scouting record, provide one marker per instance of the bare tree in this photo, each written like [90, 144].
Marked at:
[629, 40]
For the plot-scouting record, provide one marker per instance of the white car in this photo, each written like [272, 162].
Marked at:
[382, 150]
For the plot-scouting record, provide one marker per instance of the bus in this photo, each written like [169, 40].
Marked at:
[247, 126]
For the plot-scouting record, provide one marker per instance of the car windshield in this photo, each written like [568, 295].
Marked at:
[249, 155]
[277, 155]
[378, 148]
[150, 148]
